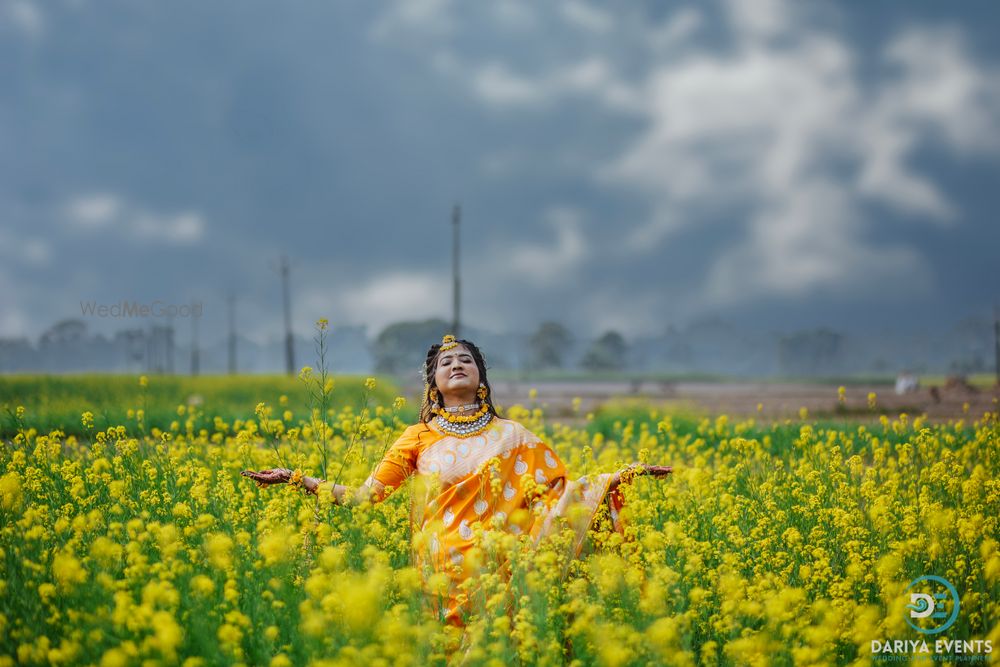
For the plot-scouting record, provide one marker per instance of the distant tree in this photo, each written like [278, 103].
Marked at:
[811, 352]
[607, 353]
[549, 345]
[65, 332]
[401, 347]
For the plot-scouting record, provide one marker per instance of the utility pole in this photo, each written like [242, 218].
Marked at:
[456, 221]
[232, 334]
[148, 335]
[195, 361]
[289, 348]
[170, 344]
[996, 340]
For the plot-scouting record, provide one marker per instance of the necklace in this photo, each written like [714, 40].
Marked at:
[462, 419]
[461, 408]
[466, 429]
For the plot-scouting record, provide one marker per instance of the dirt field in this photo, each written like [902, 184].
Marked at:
[776, 400]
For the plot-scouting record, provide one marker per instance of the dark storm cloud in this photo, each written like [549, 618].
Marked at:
[628, 170]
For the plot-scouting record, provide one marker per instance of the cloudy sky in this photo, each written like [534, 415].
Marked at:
[778, 165]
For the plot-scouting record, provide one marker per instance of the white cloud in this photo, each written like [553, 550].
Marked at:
[94, 211]
[516, 14]
[493, 277]
[786, 130]
[605, 308]
[37, 252]
[108, 213]
[937, 94]
[809, 242]
[681, 26]
[181, 229]
[790, 136]
[13, 323]
[886, 177]
[26, 251]
[13, 320]
[550, 265]
[25, 15]
[760, 19]
[586, 16]
[391, 297]
[496, 84]
[939, 84]
[428, 18]
[734, 129]
[503, 163]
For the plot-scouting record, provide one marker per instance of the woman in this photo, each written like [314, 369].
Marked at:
[477, 467]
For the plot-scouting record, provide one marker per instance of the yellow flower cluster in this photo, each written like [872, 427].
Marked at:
[791, 543]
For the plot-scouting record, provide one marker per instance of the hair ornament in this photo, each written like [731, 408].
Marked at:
[448, 342]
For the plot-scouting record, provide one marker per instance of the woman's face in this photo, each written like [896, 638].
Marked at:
[457, 375]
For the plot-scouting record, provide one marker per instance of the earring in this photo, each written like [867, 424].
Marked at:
[482, 392]
[434, 397]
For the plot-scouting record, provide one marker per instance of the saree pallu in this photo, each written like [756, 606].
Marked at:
[503, 479]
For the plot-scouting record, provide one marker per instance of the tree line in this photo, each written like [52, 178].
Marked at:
[400, 347]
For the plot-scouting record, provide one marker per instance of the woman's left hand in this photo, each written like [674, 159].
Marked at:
[640, 469]
[269, 476]
[658, 471]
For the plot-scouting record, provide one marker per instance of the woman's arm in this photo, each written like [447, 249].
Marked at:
[637, 469]
[339, 492]
[396, 466]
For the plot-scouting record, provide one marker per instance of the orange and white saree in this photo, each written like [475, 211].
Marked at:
[505, 478]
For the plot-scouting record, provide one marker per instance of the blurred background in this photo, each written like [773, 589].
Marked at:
[652, 199]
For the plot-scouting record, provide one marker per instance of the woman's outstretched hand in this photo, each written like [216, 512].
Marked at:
[640, 469]
[269, 476]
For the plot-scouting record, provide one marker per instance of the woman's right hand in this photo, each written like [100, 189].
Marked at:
[269, 476]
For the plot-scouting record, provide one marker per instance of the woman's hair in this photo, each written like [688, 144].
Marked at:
[430, 366]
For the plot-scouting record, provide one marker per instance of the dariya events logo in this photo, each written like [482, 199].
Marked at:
[933, 608]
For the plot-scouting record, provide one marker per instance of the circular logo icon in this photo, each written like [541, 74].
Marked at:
[933, 598]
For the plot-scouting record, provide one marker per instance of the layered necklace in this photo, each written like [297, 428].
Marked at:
[463, 426]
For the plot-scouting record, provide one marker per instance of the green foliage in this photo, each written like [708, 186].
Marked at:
[57, 401]
[607, 353]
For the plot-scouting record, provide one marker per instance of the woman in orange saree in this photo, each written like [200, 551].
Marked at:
[476, 469]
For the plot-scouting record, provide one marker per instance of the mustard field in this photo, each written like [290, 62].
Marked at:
[795, 543]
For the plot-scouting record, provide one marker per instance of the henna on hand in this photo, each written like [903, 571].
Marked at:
[638, 469]
[268, 477]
